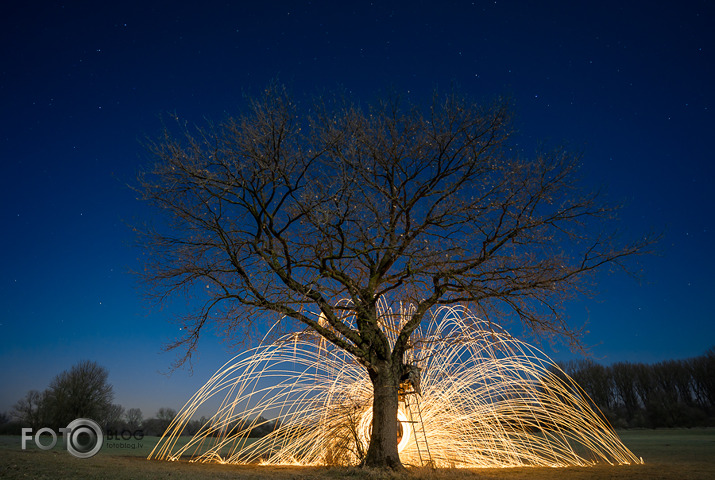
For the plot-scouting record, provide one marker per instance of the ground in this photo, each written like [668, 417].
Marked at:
[680, 454]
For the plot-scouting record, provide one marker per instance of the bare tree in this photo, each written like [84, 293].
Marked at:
[288, 211]
[113, 417]
[82, 391]
[32, 409]
[703, 371]
[595, 380]
[134, 418]
[624, 382]
[165, 416]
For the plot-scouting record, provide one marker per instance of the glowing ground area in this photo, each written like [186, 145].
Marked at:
[488, 400]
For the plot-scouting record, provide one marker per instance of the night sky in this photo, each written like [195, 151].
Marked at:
[630, 84]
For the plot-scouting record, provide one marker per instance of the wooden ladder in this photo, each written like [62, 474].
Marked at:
[413, 410]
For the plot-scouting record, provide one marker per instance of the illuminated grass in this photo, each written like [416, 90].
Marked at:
[488, 400]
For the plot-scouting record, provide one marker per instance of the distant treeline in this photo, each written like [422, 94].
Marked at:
[674, 393]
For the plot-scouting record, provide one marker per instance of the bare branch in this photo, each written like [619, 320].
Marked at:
[287, 212]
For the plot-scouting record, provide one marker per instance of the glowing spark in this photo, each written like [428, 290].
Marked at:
[488, 400]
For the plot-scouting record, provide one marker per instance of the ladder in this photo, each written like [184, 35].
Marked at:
[413, 410]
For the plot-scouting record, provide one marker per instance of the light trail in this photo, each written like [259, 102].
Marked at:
[488, 400]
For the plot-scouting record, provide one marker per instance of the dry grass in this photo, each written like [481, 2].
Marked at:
[669, 454]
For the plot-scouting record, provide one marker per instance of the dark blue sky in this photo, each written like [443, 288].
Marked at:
[82, 83]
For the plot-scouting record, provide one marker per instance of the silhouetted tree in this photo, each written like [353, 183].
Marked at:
[624, 383]
[134, 418]
[596, 381]
[644, 384]
[114, 418]
[32, 409]
[81, 392]
[289, 211]
[157, 425]
[193, 426]
[8, 426]
[703, 371]
[165, 417]
[166, 414]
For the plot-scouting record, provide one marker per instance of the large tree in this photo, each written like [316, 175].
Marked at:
[289, 209]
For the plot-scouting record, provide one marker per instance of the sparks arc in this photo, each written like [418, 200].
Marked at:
[488, 400]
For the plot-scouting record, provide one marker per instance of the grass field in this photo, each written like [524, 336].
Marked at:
[668, 454]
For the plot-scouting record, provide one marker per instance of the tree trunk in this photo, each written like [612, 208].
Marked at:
[382, 452]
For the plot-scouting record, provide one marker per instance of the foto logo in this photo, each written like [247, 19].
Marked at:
[82, 437]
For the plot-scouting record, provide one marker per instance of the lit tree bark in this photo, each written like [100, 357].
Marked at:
[314, 215]
[383, 440]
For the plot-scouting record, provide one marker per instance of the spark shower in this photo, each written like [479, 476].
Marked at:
[487, 400]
